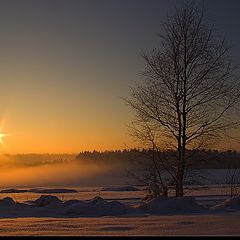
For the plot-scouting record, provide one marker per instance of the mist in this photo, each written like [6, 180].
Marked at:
[15, 174]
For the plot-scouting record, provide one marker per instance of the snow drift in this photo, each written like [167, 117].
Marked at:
[39, 190]
[13, 190]
[99, 207]
[46, 200]
[229, 204]
[120, 188]
[52, 206]
[52, 190]
[171, 205]
[7, 202]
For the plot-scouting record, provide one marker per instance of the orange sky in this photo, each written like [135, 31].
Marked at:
[62, 135]
[65, 65]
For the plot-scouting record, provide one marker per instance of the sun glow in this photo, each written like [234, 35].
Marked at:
[2, 135]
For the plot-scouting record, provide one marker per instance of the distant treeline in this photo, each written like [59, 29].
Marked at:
[199, 159]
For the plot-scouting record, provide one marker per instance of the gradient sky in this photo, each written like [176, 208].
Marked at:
[65, 64]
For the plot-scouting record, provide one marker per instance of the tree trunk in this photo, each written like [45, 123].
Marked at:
[180, 173]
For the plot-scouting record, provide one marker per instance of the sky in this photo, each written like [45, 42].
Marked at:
[66, 64]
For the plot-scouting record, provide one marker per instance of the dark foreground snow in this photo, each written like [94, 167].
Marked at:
[52, 206]
[48, 215]
[230, 204]
[172, 205]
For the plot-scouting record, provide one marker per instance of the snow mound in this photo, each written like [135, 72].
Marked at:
[54, 190]
[13, 190]
[231, 203]
[39, 190]
[96, 200]
[82, 209]
[112, 208]
[120, 188]
[7, 202]
[104, 207]
[98, 207]
[46, 200]
[72, 202]
[171, 205]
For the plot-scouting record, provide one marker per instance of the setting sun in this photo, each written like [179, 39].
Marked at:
[2, 135]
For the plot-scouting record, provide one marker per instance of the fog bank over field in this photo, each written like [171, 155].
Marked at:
[55, 170]
[97, 169]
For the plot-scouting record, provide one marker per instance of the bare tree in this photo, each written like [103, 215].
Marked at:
[189, 90]
[233, 180]
[157, 171]
[233, 176]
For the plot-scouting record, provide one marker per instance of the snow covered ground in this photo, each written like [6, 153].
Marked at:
[117, 210]
[208, 224]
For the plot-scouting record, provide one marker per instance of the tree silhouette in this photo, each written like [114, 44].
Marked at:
[189, 92]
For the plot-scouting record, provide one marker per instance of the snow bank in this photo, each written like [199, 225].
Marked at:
[229, 204]
[171, 205]
[46, 200]
[71, 202]
[99, 207]
[48, 205]
[13, 190]
[104, 207]
[52, 206]
[120, 188]
[53, 190]
[113, 208]
[7, 202]
[81, 209]
[39, 190]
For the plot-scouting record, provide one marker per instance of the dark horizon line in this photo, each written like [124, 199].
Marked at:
[112, 150]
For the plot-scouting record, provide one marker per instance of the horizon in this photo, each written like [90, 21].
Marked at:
[111, 150]
[104, 151]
